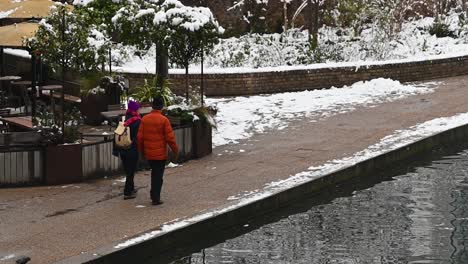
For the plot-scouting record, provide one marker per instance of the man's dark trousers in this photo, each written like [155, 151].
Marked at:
[157, 173]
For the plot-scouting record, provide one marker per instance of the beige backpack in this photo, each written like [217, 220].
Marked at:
[122, 135]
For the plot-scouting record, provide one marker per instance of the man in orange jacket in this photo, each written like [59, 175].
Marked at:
[154, 134]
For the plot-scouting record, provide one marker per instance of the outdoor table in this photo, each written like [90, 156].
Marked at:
[9, 79]
[114, 114]
[24, 122]
[21, 82]
[51, 89]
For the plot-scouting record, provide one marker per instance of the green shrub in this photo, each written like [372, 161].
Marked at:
[441, 29]
[148, 91]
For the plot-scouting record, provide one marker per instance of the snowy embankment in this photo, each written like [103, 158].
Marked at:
[240, 118]
[392, 142]
[338, 47]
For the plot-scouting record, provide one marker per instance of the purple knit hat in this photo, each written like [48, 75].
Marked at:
[133, 105]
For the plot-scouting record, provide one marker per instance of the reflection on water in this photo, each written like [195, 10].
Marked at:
[417, 217]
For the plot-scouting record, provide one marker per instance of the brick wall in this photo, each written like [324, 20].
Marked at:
[234, 84]
[299, 80]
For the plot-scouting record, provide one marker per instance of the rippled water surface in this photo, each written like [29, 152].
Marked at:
[418, 216]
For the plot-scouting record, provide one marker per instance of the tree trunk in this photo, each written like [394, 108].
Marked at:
[314, 23]
[285, 14]
[33, 88]
[162, 64]
[201, 77]
[2, 69]
[186, 83]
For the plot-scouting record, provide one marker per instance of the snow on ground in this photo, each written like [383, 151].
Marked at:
[394, 141]
[4, 14]
[240, 118]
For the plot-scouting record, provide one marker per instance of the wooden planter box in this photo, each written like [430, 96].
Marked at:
[174, 120]
[91, 107]
[63, 164]
[202, 144]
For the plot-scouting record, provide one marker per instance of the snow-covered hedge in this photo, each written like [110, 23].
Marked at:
[339, 44]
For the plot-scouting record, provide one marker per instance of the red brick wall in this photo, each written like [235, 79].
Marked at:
[299, 80]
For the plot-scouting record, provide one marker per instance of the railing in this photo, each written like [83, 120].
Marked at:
[23, 165]
[19, 166]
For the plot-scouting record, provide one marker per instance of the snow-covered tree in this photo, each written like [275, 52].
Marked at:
[66, 41]
[170, 25]
[191, 31]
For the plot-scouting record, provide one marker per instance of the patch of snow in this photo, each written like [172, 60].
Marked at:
[121, 180]
[172, 165]
[17, 52]
[8, 257]
[240, 118]
[5, 14]
[82, 2]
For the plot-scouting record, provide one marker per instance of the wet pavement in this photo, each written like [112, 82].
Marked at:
[51, 223]
[417, 213]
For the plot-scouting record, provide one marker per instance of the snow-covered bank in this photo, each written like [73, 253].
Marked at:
[241, 117]
[392, 142]
[289, 51]
[144, 66]
[338, 47]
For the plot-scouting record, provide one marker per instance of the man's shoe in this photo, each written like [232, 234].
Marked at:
[130, 196]
[157, 202]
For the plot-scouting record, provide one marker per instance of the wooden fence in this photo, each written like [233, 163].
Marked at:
[183, 137]
[97, 160]
[21, 166]
[28, 166]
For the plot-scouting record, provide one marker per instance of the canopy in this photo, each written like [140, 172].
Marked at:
[13, 35]
[25, 9]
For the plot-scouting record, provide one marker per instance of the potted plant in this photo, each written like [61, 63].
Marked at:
[202, 143]
[145, 94]
[60, 157]
[93, 98]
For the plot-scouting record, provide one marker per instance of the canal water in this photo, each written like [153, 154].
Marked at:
[417, 213]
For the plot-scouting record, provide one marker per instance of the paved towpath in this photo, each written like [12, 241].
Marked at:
[52, 223]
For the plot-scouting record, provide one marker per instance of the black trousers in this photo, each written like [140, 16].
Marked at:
[157, 173]
[130, 165]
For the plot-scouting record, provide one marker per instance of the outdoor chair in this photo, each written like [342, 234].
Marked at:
[26, 100]
[3, 99]
[4, 112]
[5, 139]
[4, 126]
[10, 100]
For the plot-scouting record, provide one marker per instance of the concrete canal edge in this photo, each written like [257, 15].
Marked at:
[186, 236]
